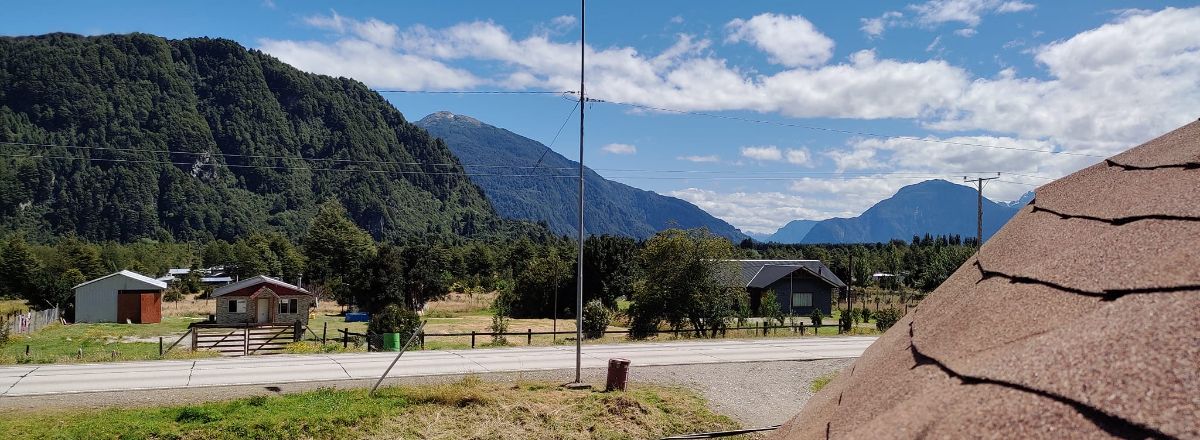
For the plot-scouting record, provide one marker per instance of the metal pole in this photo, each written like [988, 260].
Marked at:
[419, 329]
[579, 262]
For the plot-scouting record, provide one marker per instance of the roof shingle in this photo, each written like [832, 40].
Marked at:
[1079, 319]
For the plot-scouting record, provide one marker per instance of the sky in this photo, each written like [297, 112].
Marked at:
[759, 112]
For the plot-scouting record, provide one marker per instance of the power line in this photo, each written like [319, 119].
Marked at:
[838, 130]
[468, 165]
[478, 92]
[560, 129]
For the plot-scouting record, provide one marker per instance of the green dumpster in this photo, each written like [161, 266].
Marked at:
[391, 342]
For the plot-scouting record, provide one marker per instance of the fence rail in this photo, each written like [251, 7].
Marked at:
[31, 321]
[765, 329]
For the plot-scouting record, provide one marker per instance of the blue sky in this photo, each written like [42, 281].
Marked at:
[1081, 79]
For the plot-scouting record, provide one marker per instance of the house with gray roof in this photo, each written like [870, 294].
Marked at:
[799, 285]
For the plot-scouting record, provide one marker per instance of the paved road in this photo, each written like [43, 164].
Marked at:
[81, 378]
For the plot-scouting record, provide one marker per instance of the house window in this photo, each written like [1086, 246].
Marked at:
[237, 306]
[801, 300]
[287, 305]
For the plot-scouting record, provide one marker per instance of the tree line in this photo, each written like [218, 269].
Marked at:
[671, 280]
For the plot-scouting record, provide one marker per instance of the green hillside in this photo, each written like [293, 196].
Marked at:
[123, 137]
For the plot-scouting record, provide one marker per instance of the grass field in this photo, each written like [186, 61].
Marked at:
[468, 408]
[61, 343]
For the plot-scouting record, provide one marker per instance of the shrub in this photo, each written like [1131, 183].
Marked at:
[865, 313]
[172, 295]
[768, 307]
[886, 318]
[394, 319]
[846, 319]
[595, 319]
[816, 316]
[501, 308]
[3, 331]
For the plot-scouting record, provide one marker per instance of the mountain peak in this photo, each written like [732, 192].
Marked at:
[446, 116]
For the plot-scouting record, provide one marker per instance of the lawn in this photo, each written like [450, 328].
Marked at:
[468, 408]
[61, 343]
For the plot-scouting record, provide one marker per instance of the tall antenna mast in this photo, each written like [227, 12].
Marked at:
[579, 264]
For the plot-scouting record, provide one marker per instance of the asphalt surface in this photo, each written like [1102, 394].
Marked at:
[34, 380]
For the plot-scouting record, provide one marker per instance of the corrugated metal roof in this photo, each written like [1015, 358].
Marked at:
[128, 274]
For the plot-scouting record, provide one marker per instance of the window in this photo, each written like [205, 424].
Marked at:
[237, 306]
[287, 305]
[801, 300]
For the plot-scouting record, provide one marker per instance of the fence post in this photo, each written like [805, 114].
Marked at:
[324, 329]
[528, 336]
[245, 341]
[764, 328]
[26, 350]
[422, 339]
[160, 346]
[345, 337]
[472, 338]
[195, 343]
[297, 332]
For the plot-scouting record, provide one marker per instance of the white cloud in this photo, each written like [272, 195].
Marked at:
[874, 27]
[970, 12]
[701, 159]
[385, 69]
[769, 152]
[934, 44]
[934, 13]
[966, 32]
[678, 19]
[563, 21]
[798, 156]
[1103, 89]
[619, 149]
[1110, 87]
[790, 40]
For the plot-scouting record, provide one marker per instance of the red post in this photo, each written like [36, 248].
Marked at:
[618, 374]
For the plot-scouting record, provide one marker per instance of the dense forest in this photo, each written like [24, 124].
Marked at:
[128, 137]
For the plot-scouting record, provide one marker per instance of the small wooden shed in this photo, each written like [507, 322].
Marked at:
[124, 296]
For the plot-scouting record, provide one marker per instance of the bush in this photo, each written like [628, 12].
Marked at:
[846, 319]
[865, 313]
[3, 331]
[394, 319]
[816, 316]
[595, 319]
[886, 318]
[768, 307]
[501, 308]
[172, 295]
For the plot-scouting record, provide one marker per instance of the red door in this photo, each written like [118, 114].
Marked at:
[129, 307]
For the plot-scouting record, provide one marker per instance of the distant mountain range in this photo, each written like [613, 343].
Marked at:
[793, 232]
[935, 207]
[612, 208]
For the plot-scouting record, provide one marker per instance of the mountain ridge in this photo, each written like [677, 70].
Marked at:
[611, 207]
[935, 207]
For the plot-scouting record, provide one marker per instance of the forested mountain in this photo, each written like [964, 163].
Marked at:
[612, 208]
[122, 137]
[935, 207]
[793, 232]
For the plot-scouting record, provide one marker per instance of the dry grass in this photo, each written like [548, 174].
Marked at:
[477, 410]
[189, 306]
[468, 408]
[460, 304]
[10, 306]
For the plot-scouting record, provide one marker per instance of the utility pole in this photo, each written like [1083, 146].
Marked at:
[979, 218]
[579, 262]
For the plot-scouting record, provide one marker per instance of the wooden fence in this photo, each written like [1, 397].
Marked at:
[765, 329]
[31, 321]
[243, 339]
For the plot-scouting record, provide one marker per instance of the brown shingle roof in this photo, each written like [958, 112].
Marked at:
[1079, 319]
